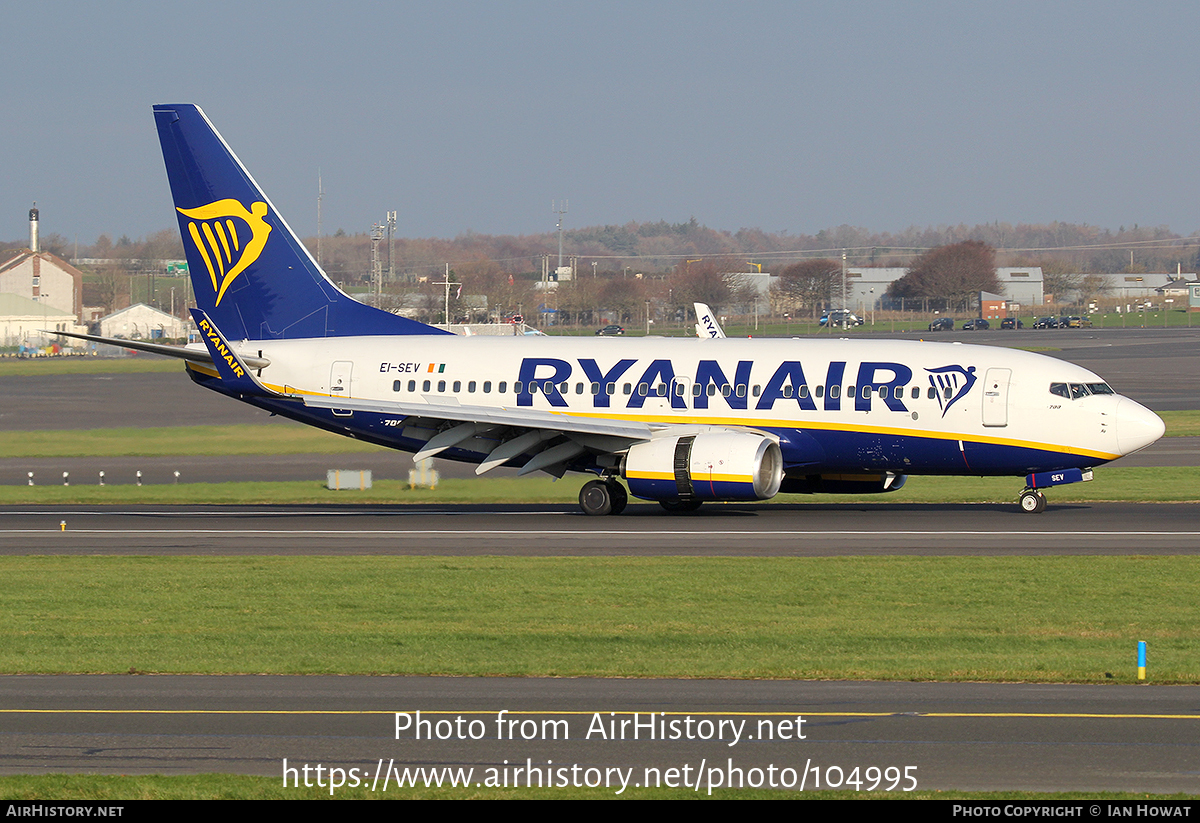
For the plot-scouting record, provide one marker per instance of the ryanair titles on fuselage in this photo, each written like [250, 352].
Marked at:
[875, 382]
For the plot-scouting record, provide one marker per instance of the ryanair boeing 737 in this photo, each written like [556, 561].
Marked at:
[681, 421]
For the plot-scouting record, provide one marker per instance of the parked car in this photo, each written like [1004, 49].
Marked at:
[1011, 323]
[1046, 323]
[611, 329]
[1075, 322]
[839, 318]
[975, 325]
[942, 324]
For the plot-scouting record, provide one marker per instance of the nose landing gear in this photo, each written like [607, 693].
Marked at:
[1033, 501]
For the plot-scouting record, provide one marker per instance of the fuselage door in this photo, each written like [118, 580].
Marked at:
[995, 397]
[339, 383]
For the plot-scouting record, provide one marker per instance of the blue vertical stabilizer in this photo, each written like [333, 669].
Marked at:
[250, 272]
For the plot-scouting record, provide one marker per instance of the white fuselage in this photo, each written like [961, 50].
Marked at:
[896, 405]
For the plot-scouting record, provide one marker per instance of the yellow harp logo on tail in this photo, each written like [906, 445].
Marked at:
[227, 251]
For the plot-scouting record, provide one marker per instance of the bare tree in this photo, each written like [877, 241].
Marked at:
[950, 274]
[812, 282]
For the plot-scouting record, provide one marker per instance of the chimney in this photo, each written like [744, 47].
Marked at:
[33, 228]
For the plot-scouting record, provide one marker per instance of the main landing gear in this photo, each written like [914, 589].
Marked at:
[600, 497]
[1033, 501]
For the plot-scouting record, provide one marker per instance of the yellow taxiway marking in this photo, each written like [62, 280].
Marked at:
[492, 713]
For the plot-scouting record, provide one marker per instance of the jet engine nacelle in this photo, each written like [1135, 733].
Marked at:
[719, 465]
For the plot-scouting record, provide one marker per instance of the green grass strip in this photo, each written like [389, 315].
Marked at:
[1175, 484]
[169, 441]
[241, 787]
[22, 367]
[1181, 423]
[1044, 619]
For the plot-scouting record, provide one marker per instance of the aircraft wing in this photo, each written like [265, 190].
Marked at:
[553, 439]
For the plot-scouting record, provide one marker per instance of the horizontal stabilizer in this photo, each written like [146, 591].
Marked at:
[196, 355]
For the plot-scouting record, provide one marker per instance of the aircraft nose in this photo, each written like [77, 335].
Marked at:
[1137, 426]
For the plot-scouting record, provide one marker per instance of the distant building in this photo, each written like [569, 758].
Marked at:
[24, 322]
[1121, 287]
[142, 322]
[866, 286]
[992, 306]
[42, 277]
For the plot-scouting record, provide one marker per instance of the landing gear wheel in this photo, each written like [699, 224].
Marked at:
[596, 498]
[620, 497]
[679, 506]
[1032, 502]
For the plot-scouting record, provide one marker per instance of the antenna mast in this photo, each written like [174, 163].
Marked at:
[320, 195]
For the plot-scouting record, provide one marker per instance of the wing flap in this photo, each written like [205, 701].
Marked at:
[517, 418]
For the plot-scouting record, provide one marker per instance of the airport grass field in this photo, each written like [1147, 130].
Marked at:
[1049, 619]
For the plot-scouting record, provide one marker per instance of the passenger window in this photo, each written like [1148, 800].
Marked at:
[883, 392]
[948, 392]
[611, 389]
[565, 388]
[849, 391]
[866, 392]
[835, 392]
[757, 391]
[517, 386]
[425, 386]
[726, 390]
[916, 393]
[661, 389]
[487, 386]
[395, 385]
[803, 390]
[712, 389]
[627, 388]
[930, 393]
[457, 386]
[412, 385]
[820, 392]
[643, 389]
[533, 387]
[579, 388]
[787, 391]
[471, 387]
[697, 389]
[441, 385]
[741, 390]
[596, 388]
[503, 387]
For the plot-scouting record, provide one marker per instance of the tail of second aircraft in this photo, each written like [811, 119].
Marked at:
[250, 272]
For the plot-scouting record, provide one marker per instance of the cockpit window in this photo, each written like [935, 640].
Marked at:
[1075, 391]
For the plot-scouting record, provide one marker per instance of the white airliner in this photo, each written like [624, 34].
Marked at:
[681, 421]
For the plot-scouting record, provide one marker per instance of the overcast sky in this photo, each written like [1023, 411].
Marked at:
[473, 116]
